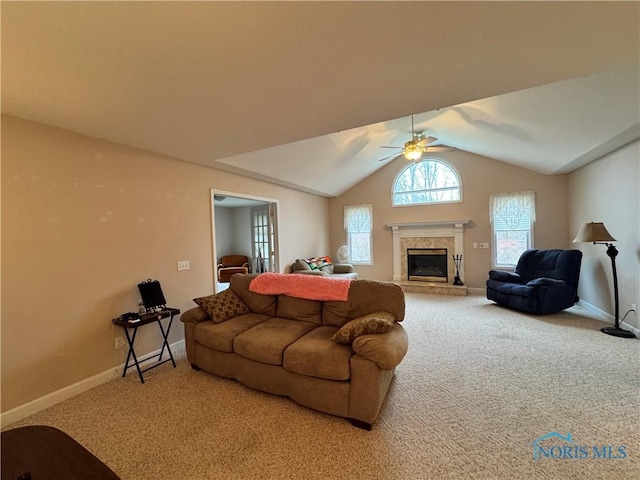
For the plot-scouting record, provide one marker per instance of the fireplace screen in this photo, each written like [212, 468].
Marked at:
[427, 264]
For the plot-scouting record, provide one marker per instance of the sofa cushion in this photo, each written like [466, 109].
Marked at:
[222, 306]
[219, 336]
[511, 288]
[365, 296]
[315, 355]
[267, 341]
[377, 322]
[301, 264]
[299, 309]
[328, 269]
[263, 304]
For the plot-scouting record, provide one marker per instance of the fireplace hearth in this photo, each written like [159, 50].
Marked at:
[427, 265]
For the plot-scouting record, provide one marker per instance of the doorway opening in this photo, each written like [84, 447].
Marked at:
[244, 225]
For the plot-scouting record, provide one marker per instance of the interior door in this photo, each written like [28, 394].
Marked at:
[264, 238]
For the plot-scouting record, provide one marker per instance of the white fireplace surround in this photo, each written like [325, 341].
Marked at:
[426, 229]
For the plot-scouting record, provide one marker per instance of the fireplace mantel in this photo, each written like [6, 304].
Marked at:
[428, 223]
[426, 228]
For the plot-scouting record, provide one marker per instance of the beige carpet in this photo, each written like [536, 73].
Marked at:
[479, 385]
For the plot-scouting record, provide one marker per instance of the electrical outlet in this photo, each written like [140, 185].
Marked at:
[120, 343]
[183, 265]
[633, 307]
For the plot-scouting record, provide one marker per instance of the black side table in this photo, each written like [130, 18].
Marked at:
[145, 319]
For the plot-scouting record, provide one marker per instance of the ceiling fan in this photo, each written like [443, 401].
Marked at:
[414, 148]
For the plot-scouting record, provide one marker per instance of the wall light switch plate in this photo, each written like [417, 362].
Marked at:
[183, 265]
[475, 244]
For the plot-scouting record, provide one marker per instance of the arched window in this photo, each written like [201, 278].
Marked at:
[428, 181]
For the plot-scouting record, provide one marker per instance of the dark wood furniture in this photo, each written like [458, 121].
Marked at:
[133, 325]
[41, 452]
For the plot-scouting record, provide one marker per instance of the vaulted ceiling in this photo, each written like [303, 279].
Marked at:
[304, 93]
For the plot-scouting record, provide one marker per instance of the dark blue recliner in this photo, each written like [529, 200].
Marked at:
[545, 281]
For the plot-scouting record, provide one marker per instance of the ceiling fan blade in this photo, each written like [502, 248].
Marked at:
[440, 149]
[389, 146]
[427, 141]
[390, 157]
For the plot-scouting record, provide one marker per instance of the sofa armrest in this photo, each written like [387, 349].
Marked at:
[509, 277]
[343, 268]
[194, 315]
[386, 350]
[546, 282]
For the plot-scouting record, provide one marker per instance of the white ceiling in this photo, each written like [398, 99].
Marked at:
[281, 91]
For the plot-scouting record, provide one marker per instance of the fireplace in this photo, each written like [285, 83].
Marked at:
[427, 264]
[440, 234]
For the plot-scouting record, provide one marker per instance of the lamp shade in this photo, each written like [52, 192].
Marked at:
[593, 232]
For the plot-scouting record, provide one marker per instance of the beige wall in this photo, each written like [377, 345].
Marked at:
[480, 176]
[608, 190]
[233, 231]
[85, 220]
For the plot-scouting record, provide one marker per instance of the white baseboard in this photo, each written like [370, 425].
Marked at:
[591, 309]
[604, 316]
[39, 404]
[477, 291]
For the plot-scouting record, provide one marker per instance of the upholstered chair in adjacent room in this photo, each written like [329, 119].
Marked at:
[230, 264]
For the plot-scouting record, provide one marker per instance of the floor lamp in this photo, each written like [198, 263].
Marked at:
[597, 233]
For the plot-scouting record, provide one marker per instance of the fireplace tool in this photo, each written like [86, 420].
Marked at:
[457, 260]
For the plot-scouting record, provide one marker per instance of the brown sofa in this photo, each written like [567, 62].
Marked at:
[329, 269]
[284, 346]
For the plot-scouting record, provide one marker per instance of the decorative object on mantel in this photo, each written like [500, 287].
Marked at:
[457, 260]
[597, 233]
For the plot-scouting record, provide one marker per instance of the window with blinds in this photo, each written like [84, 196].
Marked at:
[358, 220]
[512, 217]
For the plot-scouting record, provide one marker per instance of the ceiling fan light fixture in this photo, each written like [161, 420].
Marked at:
[412, 151]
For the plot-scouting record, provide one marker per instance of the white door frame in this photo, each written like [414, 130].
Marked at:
[215, 191]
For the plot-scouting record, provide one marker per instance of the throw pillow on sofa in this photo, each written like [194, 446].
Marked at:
[222, 306]
[377, 322]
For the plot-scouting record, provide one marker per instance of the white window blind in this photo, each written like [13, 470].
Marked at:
[512, 216]
[358, 221]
